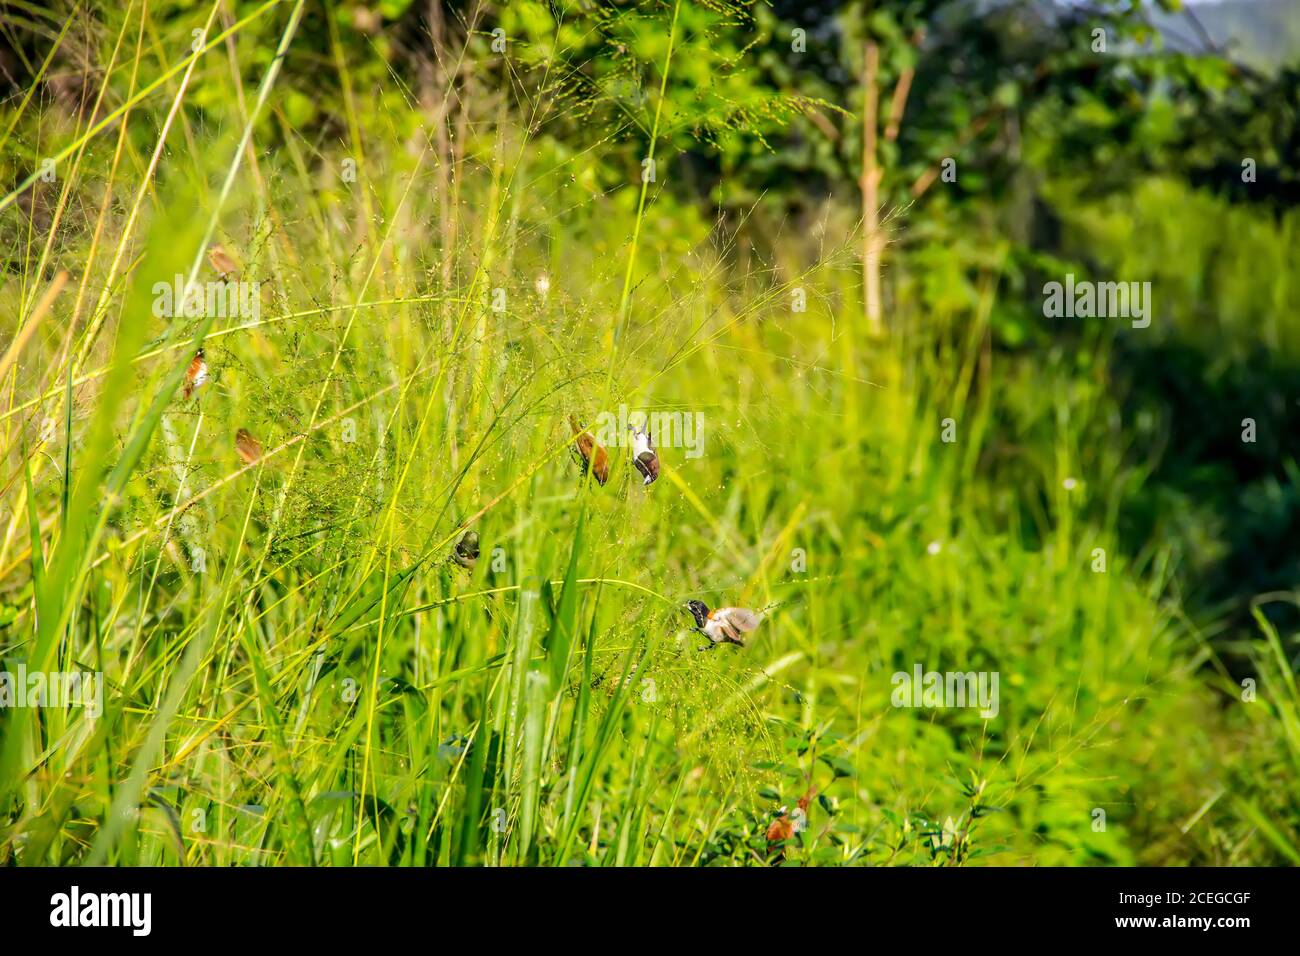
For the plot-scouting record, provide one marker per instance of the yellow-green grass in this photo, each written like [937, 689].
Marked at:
[330, 689]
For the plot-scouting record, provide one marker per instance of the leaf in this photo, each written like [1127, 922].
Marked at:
[839, 766]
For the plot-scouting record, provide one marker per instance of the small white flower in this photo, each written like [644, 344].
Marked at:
[542, 285]
[934, 547]
[1069, 484]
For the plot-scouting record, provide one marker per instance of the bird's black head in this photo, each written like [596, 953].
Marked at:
[700, 610]
[467, 546]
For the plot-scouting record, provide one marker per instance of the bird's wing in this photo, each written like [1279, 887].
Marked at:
[742, 619]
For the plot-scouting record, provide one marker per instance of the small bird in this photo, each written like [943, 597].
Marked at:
[783, 827]
[196, 375]
[644, 455]
[249, 448]
[591, 454]
[466, 553]
[724, 625]
[221, 261]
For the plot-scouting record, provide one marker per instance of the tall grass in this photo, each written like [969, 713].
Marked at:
[298, 673]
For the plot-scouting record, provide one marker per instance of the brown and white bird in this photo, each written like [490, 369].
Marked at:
[590, 453]
[221, 261]
[784, 827]
[725, 625]
[466, 552]
[249, 448]
[644, 455]
[196, 376]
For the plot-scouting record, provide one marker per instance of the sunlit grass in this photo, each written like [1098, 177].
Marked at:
[298, 674]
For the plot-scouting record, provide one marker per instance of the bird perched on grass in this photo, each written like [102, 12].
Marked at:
[644, 455]
[784, 827]
[196, 375]
[249, 448]
[221, 261]
[591, 454]
[466, 551]
[723, 625]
